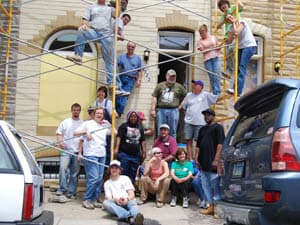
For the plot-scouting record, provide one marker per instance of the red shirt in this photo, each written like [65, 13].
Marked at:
[168, 147]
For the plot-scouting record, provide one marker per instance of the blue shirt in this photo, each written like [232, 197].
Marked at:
[126, 63]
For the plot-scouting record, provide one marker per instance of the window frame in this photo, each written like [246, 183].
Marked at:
[54, 36]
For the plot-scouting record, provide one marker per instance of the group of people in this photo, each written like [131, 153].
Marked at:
[169, 167]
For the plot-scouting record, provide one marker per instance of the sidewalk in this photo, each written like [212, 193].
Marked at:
[72, 213]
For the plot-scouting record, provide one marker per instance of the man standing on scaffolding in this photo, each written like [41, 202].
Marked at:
[97, 25]
[128, 62]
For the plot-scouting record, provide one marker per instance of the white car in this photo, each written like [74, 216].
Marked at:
[22, 185]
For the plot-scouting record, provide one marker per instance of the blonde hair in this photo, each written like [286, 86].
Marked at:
[203, 27]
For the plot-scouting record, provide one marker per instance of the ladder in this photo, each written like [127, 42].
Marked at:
[286, 33]
[6, 9]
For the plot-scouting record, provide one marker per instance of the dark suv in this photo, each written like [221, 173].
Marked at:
[260, 183]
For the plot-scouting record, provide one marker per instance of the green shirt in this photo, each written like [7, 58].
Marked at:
[182, 170]
[169, 95]
[230, 11]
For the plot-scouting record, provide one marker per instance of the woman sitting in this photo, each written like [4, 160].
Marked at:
[155, 179]
[181, 173]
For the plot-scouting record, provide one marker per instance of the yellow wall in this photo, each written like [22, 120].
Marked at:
[60, 89]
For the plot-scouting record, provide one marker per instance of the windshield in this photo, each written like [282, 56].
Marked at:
[254, 126]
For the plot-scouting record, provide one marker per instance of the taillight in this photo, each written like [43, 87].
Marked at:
[28, 202]
[272, 196]
[284, 156]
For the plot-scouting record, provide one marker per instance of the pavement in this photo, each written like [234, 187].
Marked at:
[72, 213]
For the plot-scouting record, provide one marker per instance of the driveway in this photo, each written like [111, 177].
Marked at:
[72, 213]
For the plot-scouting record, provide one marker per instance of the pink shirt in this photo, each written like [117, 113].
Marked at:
[207, 43]
[156, 172]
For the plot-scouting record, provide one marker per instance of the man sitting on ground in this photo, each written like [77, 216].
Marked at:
[119, 196]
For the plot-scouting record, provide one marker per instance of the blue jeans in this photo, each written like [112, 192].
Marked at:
[170, 117]
[210, 185]
[197, 185]
[122, 212]
[245, 55]
[107, 50]
[214, 65]
[127, 85]
[94, 174]
[68, 162]
[129, 165]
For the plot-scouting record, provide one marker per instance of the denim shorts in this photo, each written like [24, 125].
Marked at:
[191, 131]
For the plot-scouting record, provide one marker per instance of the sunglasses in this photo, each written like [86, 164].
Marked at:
[130, 46]
[156, 153]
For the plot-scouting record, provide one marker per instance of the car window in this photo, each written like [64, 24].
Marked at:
[31, 162]
[7, 160]
[254, 126]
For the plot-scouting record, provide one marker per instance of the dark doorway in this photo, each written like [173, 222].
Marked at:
[182, 71]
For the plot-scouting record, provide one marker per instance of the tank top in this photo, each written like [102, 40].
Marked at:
[156, 172]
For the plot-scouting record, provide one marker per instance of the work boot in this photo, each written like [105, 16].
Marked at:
[139, 219]
[209, 210]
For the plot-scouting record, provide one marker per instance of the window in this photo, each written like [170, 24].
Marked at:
[65, 38]
[174, 40]
[253, 127]
[8, 162]
[255, 64]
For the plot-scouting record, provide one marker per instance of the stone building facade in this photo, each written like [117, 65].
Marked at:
[37, 22]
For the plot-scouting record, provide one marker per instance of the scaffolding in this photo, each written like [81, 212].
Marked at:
[6, 33]
[5, 28]
[287, 36]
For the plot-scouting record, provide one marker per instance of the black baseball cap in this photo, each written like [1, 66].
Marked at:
[209, 111]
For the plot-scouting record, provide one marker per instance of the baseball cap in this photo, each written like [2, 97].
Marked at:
[164, 126]
[171, 72]
[115, 163]
[141, 115]
[198, 82]
[91, 108]
[209, 111]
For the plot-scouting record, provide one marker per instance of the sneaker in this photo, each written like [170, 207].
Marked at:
[76, 59]
[173, 201]
[185, 202]
[70, 196]
[58, 193]
[122, 92]
[159, 204]
[97, 204]
[204, 205]
[139, 219]
[87, 204]
[230, 91]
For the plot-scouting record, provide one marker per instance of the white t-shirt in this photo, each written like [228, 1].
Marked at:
[100, 17]
[96, 146]
[246, 38]
[195, 104]
[67, 128]
[118, 188]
